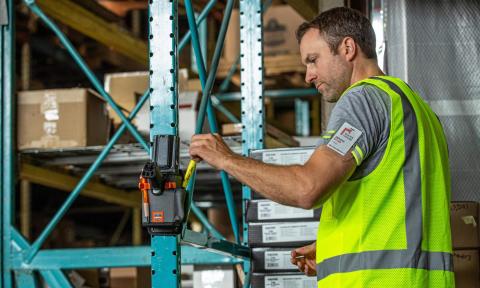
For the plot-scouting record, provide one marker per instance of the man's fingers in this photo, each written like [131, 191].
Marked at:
[196, 159]
[293, 254]
[202, 136]
[300, 266]
[306, 249]
[198, 143]
[218, 136]
[303, 250]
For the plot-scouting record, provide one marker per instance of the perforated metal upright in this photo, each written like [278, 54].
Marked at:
[164, 121]
[252, 101]
[23, 259]
[7, 70]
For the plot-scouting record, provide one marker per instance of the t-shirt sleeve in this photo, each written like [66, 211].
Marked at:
[363, 109]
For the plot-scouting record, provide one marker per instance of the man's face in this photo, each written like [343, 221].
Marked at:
[329, 73]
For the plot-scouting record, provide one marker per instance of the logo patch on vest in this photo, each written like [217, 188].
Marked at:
[344, 139]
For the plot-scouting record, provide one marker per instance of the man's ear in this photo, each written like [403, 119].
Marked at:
[349, 48]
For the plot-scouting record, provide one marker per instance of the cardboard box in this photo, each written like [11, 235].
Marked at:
[290, 280]
[230, 129]
[466, 265]
[267, 210]
[216, 216]
[464, 224]
[85, 278]
[130, 277]
[214, 276]
[61, 118]
[231, 45]
[272, 260]
[309, 140]
[282, 234]
[194, 85]
[187, 115]
[279, 25]
[125, 89]
[273, 138]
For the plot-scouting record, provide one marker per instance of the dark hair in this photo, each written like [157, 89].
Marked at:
[337, 23]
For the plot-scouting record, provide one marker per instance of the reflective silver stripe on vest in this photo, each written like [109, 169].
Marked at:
[384, 259]
[413, 256]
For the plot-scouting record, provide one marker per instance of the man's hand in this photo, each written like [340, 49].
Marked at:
[211, 149]
[304, 258]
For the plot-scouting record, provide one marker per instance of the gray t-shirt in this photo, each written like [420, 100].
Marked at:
[368, 109]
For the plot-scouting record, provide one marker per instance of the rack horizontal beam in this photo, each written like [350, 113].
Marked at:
[85, 22]
[274, 94]
[65, 182]
[114, 257]
[215, 245]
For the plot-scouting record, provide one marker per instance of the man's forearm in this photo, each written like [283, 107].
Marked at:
[282, 184]
[302, 186]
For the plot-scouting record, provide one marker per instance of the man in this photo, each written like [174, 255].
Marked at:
[381, 175]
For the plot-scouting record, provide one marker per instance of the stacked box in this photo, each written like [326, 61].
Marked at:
[61, 118]
[466, 243]
[466, 265]
[464, 224]
[267, 211]
[282, 234]
[275, 229]
[283, 280]
[272, 260]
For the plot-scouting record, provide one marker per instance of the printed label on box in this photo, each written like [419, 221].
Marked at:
[278, 260]
[290, 281]
[289, 232]
[268, 210]
[287, 157]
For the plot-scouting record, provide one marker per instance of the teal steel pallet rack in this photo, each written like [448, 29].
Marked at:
[22, 261]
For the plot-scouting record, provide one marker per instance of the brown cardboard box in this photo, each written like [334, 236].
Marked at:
[194, 85]
[61, 118]
[279, 25]
[466, 265]
[187, 115]
[85, 278]
[464, 224]
[231, 45]
[231, 129]
[130, 277]
[125, 88]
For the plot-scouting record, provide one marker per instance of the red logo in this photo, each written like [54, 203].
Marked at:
[348, 130]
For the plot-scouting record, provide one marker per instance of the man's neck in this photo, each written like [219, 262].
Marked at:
[364, 69]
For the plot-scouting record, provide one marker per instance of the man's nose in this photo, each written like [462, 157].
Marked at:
[309, 76]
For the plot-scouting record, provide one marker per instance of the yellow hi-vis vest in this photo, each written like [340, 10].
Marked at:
[391, 228]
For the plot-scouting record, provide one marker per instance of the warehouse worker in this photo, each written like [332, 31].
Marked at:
[381, 175]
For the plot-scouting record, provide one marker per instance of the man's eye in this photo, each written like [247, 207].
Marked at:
[311, 60]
